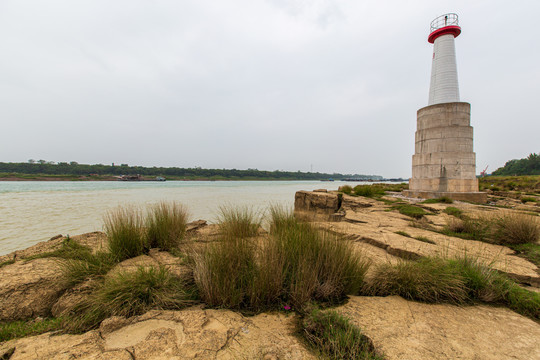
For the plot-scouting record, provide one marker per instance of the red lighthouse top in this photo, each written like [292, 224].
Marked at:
[442, 25]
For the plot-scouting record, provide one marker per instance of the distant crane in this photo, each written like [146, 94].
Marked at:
[483, 173]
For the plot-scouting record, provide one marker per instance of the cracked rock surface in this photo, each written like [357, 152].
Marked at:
[193, 333]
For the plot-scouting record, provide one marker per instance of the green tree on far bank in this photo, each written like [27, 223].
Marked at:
[528, 166]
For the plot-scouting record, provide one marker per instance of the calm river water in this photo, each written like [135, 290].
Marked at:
[33, 211]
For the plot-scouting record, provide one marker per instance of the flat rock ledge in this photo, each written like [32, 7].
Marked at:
[193, 333]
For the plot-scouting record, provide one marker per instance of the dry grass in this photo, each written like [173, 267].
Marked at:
[516, 228]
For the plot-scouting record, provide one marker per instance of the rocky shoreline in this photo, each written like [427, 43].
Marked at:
[31, 289]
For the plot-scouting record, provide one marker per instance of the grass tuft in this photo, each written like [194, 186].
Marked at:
[124, 229]
[334, 337]
[294, 264]
[238, 222]
[166, 225]
[410, 210]
[516, 228]
[368, 190]
[129, 294]
[443, 200]
[465, 279]
[425, 239]
[453, 211]
[92, 265]
[346, 189]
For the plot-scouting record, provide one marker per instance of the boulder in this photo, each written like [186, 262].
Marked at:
[29, 288]
[316, 204]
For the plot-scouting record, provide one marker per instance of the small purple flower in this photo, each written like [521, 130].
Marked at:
[287, 307]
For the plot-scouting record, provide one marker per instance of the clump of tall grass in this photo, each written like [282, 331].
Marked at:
[295, 264]
[238, 222]
[457, 281]
[125, 231]
[316, 264]
[166, 225]
[516, 228]
[473, 228]
[129, 294]
[334, 337]
[428, 279]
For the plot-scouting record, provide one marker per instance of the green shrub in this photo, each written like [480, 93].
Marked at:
[425, 239]
[346, 189]
[453, 211]
[334, 337]
[516, 228]
[238, 222]
[129, 294]
[19, 329]
[410, 210]
[166, 225]
[124, 229]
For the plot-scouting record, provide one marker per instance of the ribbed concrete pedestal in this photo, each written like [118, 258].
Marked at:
[444, 163]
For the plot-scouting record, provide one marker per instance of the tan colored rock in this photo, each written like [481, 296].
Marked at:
[195, 225]
[72, 297]
[189, 334]
[174, 264]
[29, 289]
[133, 264]
[407, 330]
[369, 221]
[315, 204]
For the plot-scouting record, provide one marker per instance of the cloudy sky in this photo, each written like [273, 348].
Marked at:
[267, 84]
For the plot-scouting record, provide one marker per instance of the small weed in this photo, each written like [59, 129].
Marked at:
[453, 211]
[334, 337]
[410, 210]
[443, 200]
[403, 233]
[425, 239]
[7, 262]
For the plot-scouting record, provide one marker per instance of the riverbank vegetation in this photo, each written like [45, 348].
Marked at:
[43, 170]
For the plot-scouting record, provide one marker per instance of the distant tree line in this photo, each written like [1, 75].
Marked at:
[76, 169]
[528, 166]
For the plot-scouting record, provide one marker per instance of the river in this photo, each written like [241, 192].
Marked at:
[33, 211]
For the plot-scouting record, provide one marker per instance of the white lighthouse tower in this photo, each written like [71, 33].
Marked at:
[444, 163]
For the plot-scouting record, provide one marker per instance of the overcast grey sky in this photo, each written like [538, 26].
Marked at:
[267, 84]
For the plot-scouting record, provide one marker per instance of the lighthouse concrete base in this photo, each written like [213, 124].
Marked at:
[444, 163]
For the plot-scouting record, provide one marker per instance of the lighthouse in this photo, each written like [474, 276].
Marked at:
[444, 163]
